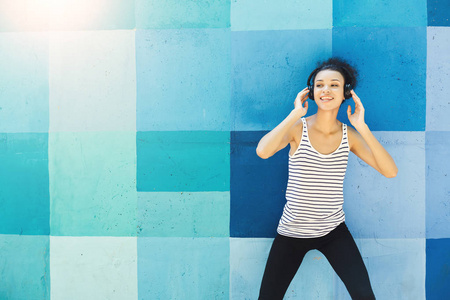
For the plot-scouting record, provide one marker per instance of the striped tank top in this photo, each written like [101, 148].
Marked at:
[314, 191]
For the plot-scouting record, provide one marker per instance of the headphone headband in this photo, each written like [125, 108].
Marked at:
[347, 77]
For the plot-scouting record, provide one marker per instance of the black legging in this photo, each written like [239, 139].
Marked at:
[339, 248]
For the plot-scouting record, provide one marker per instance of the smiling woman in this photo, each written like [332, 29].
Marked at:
[313, 216]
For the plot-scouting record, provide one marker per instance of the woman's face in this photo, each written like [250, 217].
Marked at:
[329, 89]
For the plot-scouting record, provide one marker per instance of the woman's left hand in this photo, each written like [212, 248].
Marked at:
[357, 118]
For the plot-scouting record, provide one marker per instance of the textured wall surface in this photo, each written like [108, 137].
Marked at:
[127, 143]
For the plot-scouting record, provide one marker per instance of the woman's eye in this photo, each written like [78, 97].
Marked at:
[318, 85]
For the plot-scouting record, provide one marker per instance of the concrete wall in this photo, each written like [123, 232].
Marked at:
[128, 133]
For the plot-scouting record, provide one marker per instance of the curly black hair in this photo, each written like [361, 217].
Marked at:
[349, 73]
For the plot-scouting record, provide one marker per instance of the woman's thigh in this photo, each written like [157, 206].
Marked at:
[285, 258]
[345, 258]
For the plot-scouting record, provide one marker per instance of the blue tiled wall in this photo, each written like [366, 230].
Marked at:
[128, 134]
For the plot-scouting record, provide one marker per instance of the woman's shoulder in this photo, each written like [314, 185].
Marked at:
[352, 136]
[350, 130]
[297, 127]
[295, 132]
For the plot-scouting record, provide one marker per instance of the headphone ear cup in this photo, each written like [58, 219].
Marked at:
[311, 92]
[347, 91]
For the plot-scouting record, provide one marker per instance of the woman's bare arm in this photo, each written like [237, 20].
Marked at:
[365, 145]
[283, 134]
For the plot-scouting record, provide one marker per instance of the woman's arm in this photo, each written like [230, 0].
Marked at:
[282, 135]
[365, 145]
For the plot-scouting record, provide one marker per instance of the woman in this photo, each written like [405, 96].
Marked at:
[313, 217]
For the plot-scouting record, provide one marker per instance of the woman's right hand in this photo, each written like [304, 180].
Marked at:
[301, 98]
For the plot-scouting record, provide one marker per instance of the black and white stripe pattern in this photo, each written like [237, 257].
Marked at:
[314, 191]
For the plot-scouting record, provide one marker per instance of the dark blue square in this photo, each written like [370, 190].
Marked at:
[257, 188]
[438, 269]
[392, 74]
[438, 13]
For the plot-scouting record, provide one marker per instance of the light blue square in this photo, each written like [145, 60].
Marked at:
[438, 72]
[380, 207]
[396, 268]
[249, 15]
[25, 267]
[248, 257]
[24, 82]
[269, 69]
[183, 79]
[183, 268]
[437, 184]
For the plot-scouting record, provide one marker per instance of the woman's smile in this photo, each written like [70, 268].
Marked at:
[326, 98]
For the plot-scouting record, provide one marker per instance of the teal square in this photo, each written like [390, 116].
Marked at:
[24, 181]
[93, 183]
[185, 161]
[25, 267]
[165, 14]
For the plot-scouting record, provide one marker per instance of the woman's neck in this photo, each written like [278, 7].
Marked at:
[325, 121]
